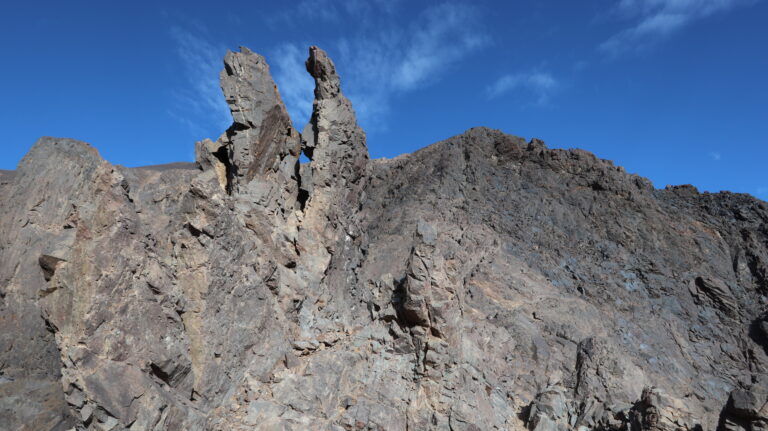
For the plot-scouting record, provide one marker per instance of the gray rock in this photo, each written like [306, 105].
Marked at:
[659, 411]
[483, 282]
[747, 408]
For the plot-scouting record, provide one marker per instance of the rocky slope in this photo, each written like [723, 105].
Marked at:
[484, 282]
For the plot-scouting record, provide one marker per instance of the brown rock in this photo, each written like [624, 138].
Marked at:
[483, 282]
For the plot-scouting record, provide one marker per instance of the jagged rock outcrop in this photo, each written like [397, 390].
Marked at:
[483, 282]
[747, 407]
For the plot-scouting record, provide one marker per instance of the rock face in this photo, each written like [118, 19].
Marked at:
[484, 282]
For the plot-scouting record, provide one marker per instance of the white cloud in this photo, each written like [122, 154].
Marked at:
[715, 155]
[379, 57]
[652, 20]
[329, 12]
[438, 39]
[201, 106]
[320, 10]
[539, 85]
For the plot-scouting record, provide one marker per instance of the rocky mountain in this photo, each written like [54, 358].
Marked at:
[484, 282]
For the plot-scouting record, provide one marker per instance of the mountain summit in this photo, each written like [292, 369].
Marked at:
[484, 282]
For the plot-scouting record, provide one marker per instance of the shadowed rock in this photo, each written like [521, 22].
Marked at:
[333, 140]
[261, 142]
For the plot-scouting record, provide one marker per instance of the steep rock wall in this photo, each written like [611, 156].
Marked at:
[483, 282]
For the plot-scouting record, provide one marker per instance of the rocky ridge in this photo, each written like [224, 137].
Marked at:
[483, 282]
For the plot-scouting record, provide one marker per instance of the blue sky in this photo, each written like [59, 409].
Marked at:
[674, 90]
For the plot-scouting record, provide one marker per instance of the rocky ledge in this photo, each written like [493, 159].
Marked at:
[483, 282]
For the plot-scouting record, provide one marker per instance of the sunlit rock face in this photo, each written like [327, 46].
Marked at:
[483, 282]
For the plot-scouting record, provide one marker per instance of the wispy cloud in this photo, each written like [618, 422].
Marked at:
[652, 20]
[200, 105]
[537, 85]
[377, 55]
[762, 191]
[294, 83]
[330, 11]
[380, 57]
[442, 35]
[715, 155]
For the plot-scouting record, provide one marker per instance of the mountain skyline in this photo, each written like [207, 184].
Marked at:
[672, 90]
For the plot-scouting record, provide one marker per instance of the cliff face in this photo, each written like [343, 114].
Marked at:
[483, 282]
